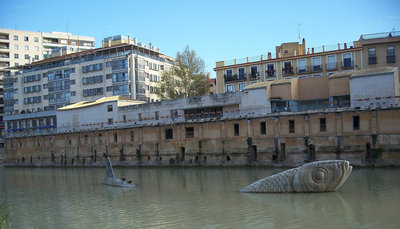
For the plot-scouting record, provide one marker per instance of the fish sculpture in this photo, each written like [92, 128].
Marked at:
[111, 180]
[319, 176]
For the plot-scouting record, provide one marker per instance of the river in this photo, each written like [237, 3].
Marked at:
[193, 198]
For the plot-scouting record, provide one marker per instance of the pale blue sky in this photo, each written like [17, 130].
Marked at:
[216, 30]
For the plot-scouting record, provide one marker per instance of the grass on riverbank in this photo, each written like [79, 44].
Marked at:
[4, 212]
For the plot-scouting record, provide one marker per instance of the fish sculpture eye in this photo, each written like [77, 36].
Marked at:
[320, 175]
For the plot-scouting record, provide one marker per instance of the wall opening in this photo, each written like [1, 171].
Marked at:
[254, 153]
[182, 154]
[311, 154]
[368, 152]
[283, 152]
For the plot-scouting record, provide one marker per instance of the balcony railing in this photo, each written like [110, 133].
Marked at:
[331, 66]
[347, 64]
[234, 78]
[254, 76]
[302, 70]
[390, 59]
[317, 68]
[372, 60]
[287, 71]
[270, 73]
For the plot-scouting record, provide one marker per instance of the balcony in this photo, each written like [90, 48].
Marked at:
[301, 70]
[234, 78]
[331, 66]
[372, 60]
[317, 68]
[4, 36]
[270, 73]
[287, 71]
[347, 63]
[390, 59]
[254, 76]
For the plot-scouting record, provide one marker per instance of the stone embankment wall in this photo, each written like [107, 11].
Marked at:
[364, 137]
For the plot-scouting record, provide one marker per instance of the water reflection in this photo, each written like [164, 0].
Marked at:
[193, 198]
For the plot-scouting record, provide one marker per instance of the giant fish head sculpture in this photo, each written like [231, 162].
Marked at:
[319, 176]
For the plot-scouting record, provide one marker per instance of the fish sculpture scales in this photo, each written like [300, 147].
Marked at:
[319, 176]
[111, 180]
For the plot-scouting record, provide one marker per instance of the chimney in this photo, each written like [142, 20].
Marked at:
[312, 50]
[269, 56]
[323, 48]
[308, 50]
[134, 41]
[262, 57]
[345, 46]
[338, 46]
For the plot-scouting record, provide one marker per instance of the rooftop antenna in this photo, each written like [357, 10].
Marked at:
[298, 31]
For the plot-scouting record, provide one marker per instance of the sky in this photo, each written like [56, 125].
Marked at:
[216, 30]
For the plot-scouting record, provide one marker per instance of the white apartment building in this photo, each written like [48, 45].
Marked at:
[127, 70]
[19, 47]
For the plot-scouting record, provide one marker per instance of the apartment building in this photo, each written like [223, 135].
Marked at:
[294, 60]
[126, 70]
[19, 47]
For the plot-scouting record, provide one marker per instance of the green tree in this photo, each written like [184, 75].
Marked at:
[186, 78]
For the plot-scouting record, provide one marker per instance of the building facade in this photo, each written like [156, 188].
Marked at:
[294, 60]
[128, 70]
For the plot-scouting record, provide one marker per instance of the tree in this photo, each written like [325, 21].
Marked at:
[186, 78]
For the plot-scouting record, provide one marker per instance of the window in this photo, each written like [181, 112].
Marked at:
[115, 137]
[124, 118]
[157, 115]
[26, 47]
[301, 66]
[86, 139]
[36, 48]
[26, 38]
[291, 126]
[347, 61]
[287, 68]
[110, 121]
[109, 108]
[169, 134]
[132, 136]
[270, 70]
[15, 38]
[26, 57]
[140, 116]
[263, 128]
[254, 71]
[229, 73]
[372, 56]
[316, 64]
[229, 88]
[242, 73]
[317, 75]
[189, 132]
[322, 124]
[356, 122]
[16, 56]
[36, 39]
[242, 86]
[390, 58]
[16, 47]
[174, 113]
[331, 63]
[99, 138]
[36, 57]
[236, 129]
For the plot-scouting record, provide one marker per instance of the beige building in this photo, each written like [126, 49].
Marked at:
[294, 60]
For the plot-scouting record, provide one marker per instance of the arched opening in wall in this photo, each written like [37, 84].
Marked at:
[368, 151]
[148, 158]
[182, 154]
[228, 158]
[23, 159]
[254, 153]
[196, 159]
[204, 158]
[283, 152]
[160, 158]
[311, 153]
[95, 156]
[72, 161]
[83, 160]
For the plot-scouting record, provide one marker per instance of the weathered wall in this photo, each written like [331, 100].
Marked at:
[376, 142]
